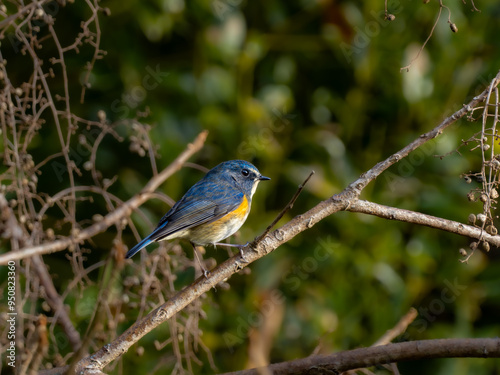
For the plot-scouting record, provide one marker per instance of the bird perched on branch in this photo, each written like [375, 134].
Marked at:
[212, 209]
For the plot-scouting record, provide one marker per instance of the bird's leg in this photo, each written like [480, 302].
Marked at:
[203, 269]
[240, 247]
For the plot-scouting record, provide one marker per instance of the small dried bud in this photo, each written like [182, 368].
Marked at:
[18, 91]
[483, 198]
[39, 12]
[494, 193]
[97, 217]
[82, 139]
[486, 147]
[101, 115]
[87, 165]
[473, 245]
[471, 196]
[472, 219]
[468, 179]
[453, 27]
[462, 252]
[426, 1]
[491, 229]
[3, 8]
[481, 218]
[485, 246]
[390, 17]
[50, 233]
[140, 351]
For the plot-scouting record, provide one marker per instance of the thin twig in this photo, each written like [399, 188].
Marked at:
[392, 333]
[407, 67]
[283, 212]
[398, 329]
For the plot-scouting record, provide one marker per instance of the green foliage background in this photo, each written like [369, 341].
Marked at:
[294, 86]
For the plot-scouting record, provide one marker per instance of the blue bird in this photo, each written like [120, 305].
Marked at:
[212, 209]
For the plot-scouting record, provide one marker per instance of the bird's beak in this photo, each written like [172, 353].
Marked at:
[263, 178]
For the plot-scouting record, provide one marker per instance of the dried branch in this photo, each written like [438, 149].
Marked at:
[288, 207]
[53, 298]
[56, 302]
[452, 26]
[398, 329]
[377, 355]
[391, 334]
[413, 217]
[115, 216]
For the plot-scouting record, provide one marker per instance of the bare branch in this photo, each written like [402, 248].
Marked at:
[377, 355]
[398, 329]
[53, 298]
[288, 207]
[392, 333]
[115, 216]
[413, 217]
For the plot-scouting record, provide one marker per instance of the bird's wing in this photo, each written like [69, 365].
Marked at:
[189, 213]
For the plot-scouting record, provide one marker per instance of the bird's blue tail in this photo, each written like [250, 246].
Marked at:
[145, 242]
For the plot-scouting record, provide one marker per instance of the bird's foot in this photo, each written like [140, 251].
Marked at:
[206, 273]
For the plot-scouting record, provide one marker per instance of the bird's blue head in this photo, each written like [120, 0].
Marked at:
[239, 172]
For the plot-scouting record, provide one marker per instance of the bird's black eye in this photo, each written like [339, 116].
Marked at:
[245, 172]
